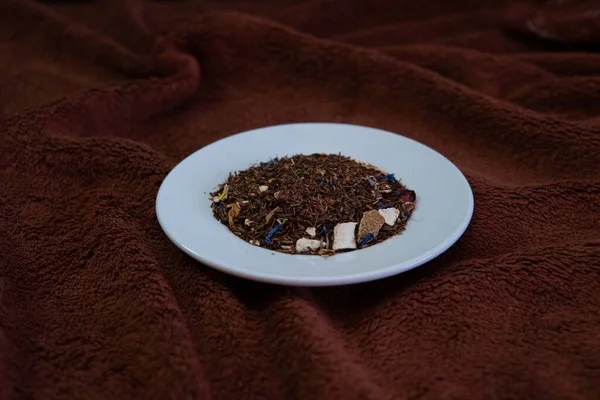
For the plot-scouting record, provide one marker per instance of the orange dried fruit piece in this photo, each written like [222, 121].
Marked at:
[371, 222]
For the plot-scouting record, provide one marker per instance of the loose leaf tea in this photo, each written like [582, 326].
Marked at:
[313, 204]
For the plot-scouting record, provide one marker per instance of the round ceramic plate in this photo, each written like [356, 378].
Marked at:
[444, 204]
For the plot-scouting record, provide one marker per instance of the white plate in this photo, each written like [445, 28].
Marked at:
[444, 204]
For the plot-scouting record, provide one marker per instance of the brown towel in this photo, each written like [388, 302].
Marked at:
[100, 99]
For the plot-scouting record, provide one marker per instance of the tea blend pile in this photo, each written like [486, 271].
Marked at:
[313, 204]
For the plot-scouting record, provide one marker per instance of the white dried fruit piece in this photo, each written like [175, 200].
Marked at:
[247, 222]
[371, 222]
[390, 215]
[343, 236]
[303, 245]
[254, 242]
[311, 231]
[263, 188]
[385, 188]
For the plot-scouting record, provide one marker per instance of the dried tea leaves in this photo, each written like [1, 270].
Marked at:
[313, 204]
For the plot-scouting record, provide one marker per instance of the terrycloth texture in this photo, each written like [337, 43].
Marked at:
[99, 100]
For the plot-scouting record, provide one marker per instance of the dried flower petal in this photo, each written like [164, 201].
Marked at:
[223, 195]
[273, 231]
[390, 177]
[369, 237]
[272, 214]
[233, 212]
[408, 196]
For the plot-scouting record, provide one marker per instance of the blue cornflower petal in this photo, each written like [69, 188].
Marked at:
[366, 240]
[389, 177]
[272, 232]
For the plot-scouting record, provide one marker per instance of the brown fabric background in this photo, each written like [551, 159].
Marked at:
[100, 99]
